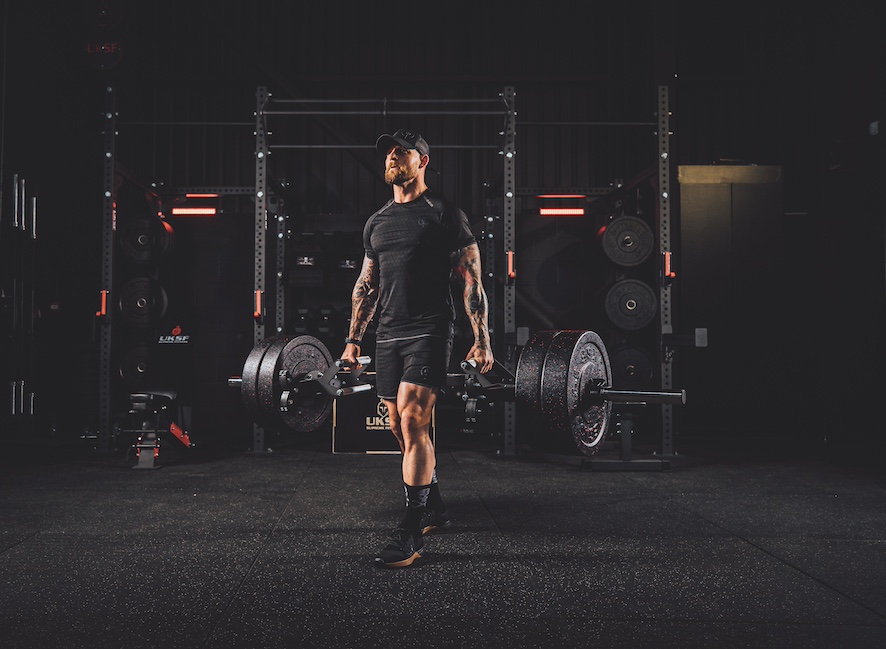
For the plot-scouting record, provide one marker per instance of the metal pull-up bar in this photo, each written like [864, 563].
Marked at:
[587, 124]
[364, 146]
[384, 107]
[384, 112]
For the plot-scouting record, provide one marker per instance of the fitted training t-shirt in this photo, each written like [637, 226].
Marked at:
[411, 243]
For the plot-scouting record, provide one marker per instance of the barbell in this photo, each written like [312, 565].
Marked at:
[562, 386]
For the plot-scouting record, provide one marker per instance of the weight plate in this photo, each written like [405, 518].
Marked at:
[309, 408]
[249, 379]
[145, 241]
[143, 302]
[630, 304]
[588, 367]
[527, 388]
[527, 380]
[632, 367]
[628, 241]
[575, 361]
[267, 387]
[136, 368]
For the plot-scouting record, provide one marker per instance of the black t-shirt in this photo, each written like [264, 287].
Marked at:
[412, 243]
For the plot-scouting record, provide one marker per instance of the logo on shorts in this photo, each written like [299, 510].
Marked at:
[425, 371]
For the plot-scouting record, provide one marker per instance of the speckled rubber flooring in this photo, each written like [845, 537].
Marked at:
[260, 550]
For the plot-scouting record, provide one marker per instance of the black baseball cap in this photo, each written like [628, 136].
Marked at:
[405, 138]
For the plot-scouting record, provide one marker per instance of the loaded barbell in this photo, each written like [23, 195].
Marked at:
[562, 386]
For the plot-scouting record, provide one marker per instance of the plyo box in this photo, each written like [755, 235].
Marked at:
[360, 424]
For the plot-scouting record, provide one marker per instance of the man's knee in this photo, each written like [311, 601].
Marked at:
[414, 421]
[417, 445]
[414, 430]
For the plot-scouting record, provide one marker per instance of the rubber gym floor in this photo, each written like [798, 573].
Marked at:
[741, 546]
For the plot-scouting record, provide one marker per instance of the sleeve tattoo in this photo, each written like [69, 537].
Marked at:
[363, 299]
[466, 267]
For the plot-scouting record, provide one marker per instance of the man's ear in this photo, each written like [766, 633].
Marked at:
[424, 161]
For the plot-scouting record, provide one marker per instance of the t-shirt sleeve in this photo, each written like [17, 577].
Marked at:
[367, 240]
[457, 224]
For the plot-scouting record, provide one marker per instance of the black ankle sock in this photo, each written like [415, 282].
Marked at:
[417, 495]
[435, 500]
[416, 504]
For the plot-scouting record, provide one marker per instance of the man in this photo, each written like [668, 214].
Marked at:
[418, 246]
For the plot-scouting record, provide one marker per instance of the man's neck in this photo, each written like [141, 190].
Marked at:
[410, 191]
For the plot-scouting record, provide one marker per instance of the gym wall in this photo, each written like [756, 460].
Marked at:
[186, 85]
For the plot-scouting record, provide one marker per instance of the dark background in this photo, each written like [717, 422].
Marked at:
[796, 311]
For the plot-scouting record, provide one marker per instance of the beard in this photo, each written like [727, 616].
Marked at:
[399, 175]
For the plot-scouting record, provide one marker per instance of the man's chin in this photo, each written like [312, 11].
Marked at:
[396, 179]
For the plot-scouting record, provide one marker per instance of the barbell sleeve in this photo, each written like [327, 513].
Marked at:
[637, 396]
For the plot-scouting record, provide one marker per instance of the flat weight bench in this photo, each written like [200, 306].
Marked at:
[150, 414]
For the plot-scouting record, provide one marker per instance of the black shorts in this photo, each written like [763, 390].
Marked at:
[423, 360]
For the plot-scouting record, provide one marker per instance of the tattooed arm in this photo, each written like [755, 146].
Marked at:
[363, 301]
[466, 270]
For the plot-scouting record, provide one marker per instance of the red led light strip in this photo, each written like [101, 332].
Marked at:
[193, 211]
[561, 211]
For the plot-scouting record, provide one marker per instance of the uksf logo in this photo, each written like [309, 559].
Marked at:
[381, 420]
[175, 337]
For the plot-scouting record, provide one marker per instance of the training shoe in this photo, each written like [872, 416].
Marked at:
[434, 521]
[402, 549]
